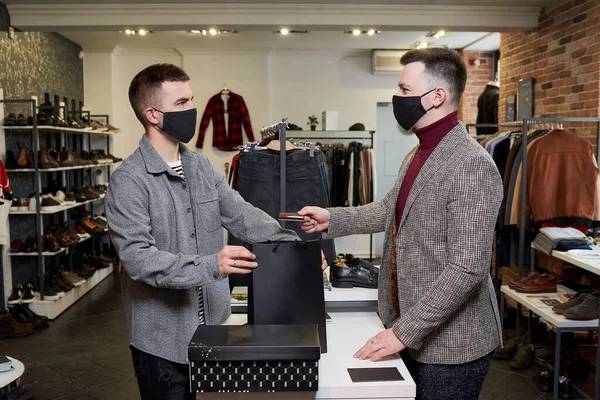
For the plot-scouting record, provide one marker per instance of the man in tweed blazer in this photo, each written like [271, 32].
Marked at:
[435, 291]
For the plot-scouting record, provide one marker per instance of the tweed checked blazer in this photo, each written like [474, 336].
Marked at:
[448, 308]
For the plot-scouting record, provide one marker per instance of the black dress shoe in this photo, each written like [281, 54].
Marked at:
[344, 276]
[352, 261]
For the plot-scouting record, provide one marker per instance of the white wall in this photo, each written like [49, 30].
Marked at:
[277, 84]
[245, 74]
[125, 65]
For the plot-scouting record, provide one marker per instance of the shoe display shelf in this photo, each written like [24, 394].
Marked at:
[49, 253]
[52, 128]
[58, 209]
[62, 136]
[112, 164]
[53, 308]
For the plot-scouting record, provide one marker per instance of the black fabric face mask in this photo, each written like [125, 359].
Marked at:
[179, 124]
[408, 109]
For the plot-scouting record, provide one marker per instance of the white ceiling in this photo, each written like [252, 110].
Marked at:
[521, 3]
[266, 39]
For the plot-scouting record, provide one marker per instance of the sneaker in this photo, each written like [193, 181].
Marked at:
[75, 279]
[11, 120]
[28, 295]
[15, 297]
[23, 204]
[16, 246]
[98, 127]
[11, 328]
[51, 284]
[524, 357]
[15, 204]
[70, 198]
[112, 129]
[508, 351]
[49, 203]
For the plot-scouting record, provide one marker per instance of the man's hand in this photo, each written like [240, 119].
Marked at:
[324, 264]
[384, 344]
[316, 219]
[236, 260]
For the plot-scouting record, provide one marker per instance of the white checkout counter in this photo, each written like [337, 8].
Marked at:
[347, 331]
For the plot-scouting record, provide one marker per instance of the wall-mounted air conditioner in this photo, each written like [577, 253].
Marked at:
[386, 61]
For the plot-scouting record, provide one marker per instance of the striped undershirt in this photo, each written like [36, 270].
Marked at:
[178, 168]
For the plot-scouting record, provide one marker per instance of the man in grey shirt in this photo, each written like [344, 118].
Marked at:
[165, 208]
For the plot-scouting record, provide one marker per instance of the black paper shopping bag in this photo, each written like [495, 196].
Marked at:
[287, 286]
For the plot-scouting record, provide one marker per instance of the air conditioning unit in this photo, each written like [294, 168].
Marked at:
[386, 61]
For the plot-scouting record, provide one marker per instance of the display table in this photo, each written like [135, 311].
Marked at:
[9, 380]
[346, 333]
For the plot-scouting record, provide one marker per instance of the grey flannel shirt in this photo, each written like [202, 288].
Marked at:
[167, 231]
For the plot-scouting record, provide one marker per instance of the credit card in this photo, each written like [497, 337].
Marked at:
[290, 217]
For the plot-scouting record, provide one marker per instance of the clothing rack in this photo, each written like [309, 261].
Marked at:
[279, 130]
[525, 124]
[347, 137]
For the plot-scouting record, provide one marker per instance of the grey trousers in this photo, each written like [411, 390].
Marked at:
[448, 382]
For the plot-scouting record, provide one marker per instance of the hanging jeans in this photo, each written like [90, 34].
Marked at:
[258, 183]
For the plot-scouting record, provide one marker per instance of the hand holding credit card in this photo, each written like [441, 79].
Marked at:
[290, 217]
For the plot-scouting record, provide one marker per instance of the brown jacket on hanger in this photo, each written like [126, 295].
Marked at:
[561, 178]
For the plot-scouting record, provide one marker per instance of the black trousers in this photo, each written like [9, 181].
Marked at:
[160, 379]
[448, 382]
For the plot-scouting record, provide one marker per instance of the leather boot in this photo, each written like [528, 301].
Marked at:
[23, 161]
[46, 160]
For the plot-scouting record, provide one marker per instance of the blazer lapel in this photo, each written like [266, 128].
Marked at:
[436, 160]
[401, 174]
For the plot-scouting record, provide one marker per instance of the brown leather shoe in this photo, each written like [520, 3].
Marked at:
[11, 328]
[544, 283]
[527, 275]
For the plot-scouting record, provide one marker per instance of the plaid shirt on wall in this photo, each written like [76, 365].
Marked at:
[238, 115]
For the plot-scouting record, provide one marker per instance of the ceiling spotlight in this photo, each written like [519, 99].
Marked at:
[437, 34]
[142, 32]
[284, 31]
[213, 31]
[356, 32]
[422, 45]
[204, 32]
[129, 32]
[196, 31]
[371, 32]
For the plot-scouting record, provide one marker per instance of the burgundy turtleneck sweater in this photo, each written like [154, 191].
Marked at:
[429, 137]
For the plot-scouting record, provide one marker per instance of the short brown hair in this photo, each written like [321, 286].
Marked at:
[443, 65]
[145, 88]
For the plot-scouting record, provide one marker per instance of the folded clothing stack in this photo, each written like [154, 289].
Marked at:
[561, 239]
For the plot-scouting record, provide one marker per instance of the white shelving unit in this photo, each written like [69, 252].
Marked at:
[53, 308]
[103, 164]
[58, 129]
[58, 209]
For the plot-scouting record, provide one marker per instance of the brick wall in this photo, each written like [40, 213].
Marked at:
[563, 56]
[480, 70]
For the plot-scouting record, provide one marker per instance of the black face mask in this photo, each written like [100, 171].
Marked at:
[408, 110]
[179, 124]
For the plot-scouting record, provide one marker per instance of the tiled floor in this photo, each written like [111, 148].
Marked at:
[85, 355]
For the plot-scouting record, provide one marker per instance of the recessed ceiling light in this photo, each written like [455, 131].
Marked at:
[142, 32]
[212, 31]
[371, 32]
[420, 45]
[196, 31]
[356, 32]
[128, 31]
[204, 32]
[284, 31]
[437, 34]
